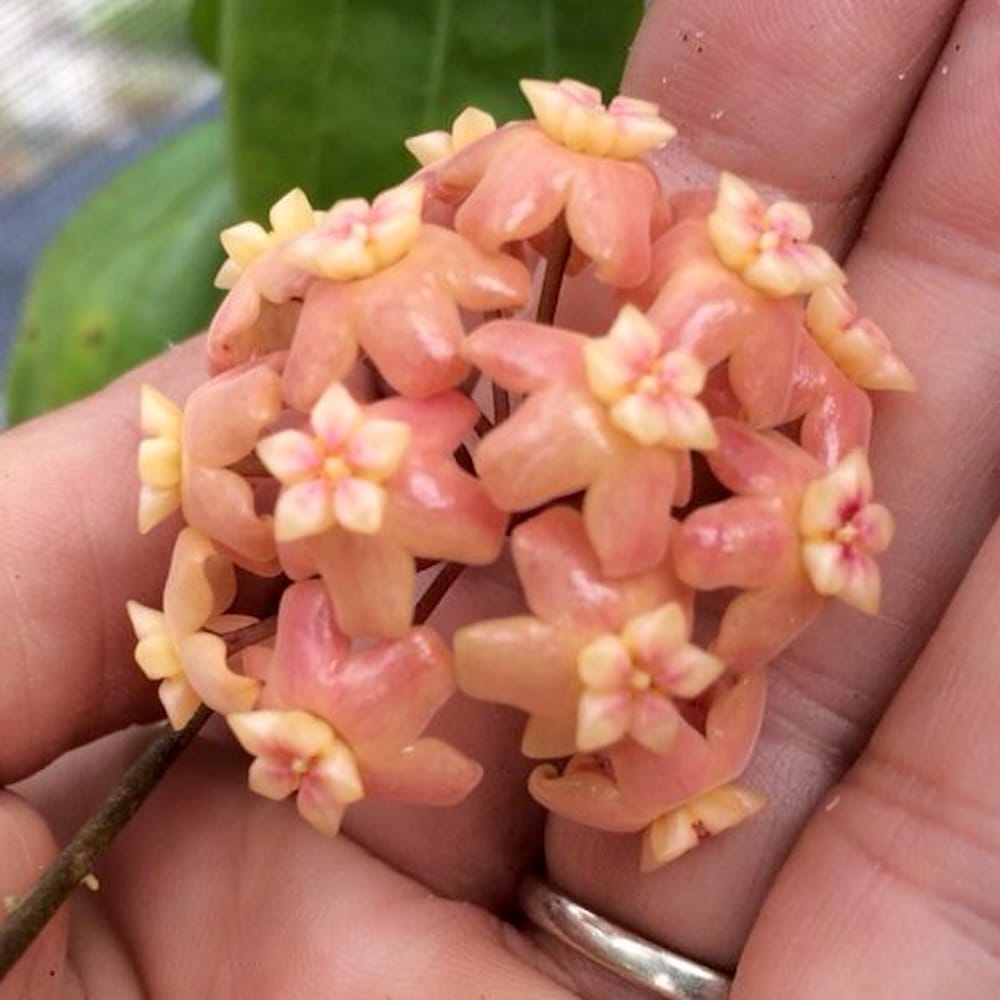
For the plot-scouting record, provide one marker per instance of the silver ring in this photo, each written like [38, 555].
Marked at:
[660, 971]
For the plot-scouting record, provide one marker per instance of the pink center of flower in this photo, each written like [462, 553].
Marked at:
[650, 394]
[842, 530]
[630, 679]
[337, 474]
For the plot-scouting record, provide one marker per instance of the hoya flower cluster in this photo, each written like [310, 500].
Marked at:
[345, 442]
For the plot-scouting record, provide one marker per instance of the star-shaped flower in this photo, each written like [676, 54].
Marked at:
[598, 659]
[793, 534]
[613, 416]
[577, 158]
[259, 277]
[858, 347]
[432, 147]
[337, 723]
[768, 245]
[370, 488]
[174, 646]
[335, 473]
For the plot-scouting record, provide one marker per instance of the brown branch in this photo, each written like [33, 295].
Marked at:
[436, 592]
[555, 267]
[74, 862]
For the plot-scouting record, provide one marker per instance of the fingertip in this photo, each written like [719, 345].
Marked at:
[26, 849]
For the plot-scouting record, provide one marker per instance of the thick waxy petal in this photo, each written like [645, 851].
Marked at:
[548, 736]
[563, 583]
[477, 279]
[335, 417]
[156, 655]
[609, 214]
[740, 542]
[222, 504]
[204, 659]
[521, 662]
[829, 502]
[689, 672]
[438, 424]
[224, 417]
[676, 833]
[733, 224]
[523, 189]
[428, 772]
[160, 462]
[356, 566]
[292, 735]
[627, 510]
[761, 372]
[410, 326]
[759, 624]
[555, 444]
[838, 571]
[764, 464]
[179, 700]
[304, 510]
[325, 346]
[438, 511]
[586, 793]
[655, 722]
[290, 456]
[795, 269]
[156, 505]
[602, 719]
[604, 664]
[358, 504]
[232, 333]
[201, 584]
[526, 357]
[655, 783]
[319, 807]
[654, 636]
[667, 421]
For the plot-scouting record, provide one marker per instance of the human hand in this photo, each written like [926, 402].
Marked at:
[891, 888]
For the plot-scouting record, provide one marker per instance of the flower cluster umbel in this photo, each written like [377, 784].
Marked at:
[342, 442]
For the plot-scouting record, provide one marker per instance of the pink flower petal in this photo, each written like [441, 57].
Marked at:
[563, 583]
[761, 371]
[224, 417]
[438, 511]
[231, 335]
[204, 659]
[586, 794]
[411, 327]
[602, 719]
[303, 510]
[759, 624]
[439, 423]
[655, 722]
[525, 357]
[766, 464]
[325, 347]
[273, 779]
[335, 417]
[627, 510]
[609, 215]
[478, 280]
[290, 456]
[200, 584]
[428, 772]
[320, 807]
[353, 568]
[520, 662]
[554, 445]
[740, 542]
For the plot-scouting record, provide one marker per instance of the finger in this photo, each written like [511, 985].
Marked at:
[897, 879]
[26, 847]
[71, 558]
[827, 693]
[810, 98]
[214, 890]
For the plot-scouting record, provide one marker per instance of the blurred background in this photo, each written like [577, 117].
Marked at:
[85, 87]
[133, 131]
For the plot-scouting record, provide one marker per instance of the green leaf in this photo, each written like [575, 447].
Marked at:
[131, 273]
[203, 28]
[321, 95]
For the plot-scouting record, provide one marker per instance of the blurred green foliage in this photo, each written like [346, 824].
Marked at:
[318, 94]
